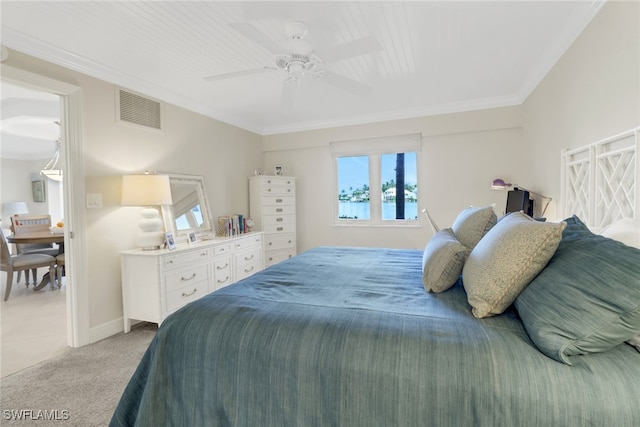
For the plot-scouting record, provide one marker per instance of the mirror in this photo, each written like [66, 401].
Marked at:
[190, 209]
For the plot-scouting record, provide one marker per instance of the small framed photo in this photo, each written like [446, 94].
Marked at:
[38, 190]
[169, 240]
[279, 170]
[193, 237]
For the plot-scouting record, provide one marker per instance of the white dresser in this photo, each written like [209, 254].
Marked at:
[157, 283]
[272, 205]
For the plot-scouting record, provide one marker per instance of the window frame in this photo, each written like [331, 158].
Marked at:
[374, 149]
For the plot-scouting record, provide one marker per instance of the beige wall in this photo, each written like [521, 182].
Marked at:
[190, 144]
[461, 154]
[592, 92]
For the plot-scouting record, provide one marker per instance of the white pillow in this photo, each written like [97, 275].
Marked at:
[507, 258]
[635, 341]
[473, 223]
[625, 230]
[442, 261]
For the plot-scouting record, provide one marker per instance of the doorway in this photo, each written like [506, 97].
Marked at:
[77, 294]
[33, 324]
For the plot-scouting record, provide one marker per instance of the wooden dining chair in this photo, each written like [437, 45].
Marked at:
[25, 224]
[24, 262]
[59, 269]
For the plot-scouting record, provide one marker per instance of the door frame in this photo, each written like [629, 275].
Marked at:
[77, 293]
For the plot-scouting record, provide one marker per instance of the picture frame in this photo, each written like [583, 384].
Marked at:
[193, 237]
[279, 170]
[169, 240]
[38, 190]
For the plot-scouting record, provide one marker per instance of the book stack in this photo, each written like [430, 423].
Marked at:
[232, 225]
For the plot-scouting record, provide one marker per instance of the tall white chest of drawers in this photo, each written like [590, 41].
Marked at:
[157, 283]
[272, 205]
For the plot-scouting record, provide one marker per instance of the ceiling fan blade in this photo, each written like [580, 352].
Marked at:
[233, 74]
[346, 84]
[289, 95]
[351, 49]
[252, 33]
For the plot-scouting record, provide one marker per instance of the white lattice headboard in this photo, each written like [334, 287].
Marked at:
[600, 180]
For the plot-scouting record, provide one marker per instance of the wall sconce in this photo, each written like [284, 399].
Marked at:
[501, 184]
[149, 191]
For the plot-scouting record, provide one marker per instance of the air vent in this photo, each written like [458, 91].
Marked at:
[138, 110]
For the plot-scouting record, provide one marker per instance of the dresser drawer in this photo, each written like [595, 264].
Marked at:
[193, 274]
[277, 185]
[249, 257]
[278, 220]
[280, 228]
[179, 297]
[279, 210]
[222, 272]
[276, 256]
[246, 269]
[247, 242]
[179, 260]
[278, 201]
[221, 249]
[279, 241]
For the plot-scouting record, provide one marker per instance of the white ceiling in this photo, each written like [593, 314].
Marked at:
[437, 56]
[28, 129]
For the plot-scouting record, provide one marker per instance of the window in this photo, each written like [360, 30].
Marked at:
[379, 187]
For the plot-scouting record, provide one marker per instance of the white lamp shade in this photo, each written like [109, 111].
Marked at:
[145, 190]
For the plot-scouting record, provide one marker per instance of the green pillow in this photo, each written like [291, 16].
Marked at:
[587, 299]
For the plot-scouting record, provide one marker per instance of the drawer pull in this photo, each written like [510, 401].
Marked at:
[186, 279]
[223, 267]
[288, 190]
[278, 200]
[279, 228]
[170, 261]
[289, 241]
[184, 294]
[270, 243]
[279, 210]
[203, 254]
[279, 219]
[268, 181]
[269, 189]
[249, 270]
[249, 258]
[223, 280]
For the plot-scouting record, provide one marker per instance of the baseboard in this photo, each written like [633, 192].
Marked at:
[106, 330]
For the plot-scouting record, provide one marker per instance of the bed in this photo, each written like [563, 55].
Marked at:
[344, 336]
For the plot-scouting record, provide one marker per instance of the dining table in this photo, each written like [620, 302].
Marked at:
[39, 237]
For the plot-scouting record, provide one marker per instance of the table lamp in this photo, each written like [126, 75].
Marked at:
[147, 190]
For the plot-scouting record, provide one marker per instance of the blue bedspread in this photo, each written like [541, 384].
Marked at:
[348, 337]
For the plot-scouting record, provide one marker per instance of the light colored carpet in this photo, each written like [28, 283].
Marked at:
[81, 387]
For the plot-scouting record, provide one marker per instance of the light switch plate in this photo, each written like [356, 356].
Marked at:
[94, 200]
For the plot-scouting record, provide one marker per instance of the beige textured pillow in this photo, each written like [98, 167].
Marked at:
[442, 261]
[473, 223]
[507, 258]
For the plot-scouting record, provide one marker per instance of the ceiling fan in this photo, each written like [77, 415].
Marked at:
[298, 58]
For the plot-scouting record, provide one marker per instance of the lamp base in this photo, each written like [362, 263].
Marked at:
[150, 236]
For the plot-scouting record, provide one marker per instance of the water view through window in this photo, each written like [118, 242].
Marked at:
[396, 171]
